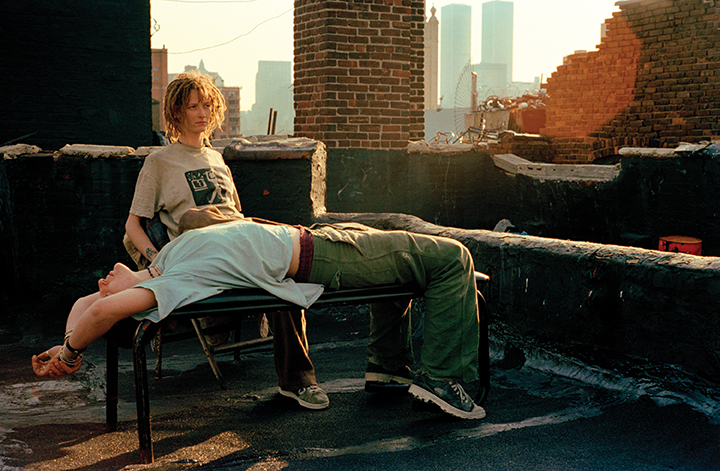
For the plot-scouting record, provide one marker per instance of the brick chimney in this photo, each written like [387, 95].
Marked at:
[358, 79]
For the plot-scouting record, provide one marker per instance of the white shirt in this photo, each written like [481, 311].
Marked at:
[239, 254]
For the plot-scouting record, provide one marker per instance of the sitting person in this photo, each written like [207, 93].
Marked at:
[189, 173]
[296, 264]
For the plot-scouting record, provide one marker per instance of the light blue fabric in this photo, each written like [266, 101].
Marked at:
[203, 262]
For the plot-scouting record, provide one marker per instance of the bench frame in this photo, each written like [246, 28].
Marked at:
[246, 302]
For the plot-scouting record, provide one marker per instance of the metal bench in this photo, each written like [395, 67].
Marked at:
[245, 302]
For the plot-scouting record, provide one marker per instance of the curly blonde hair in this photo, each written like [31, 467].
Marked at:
[177, 96]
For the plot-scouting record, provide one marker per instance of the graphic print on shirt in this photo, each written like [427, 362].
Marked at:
[206, 187]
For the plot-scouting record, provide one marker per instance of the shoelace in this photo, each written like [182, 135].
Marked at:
[464, 398]
[312, 388]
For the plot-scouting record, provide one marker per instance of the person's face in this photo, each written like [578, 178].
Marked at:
[119, 279]
[196, 114]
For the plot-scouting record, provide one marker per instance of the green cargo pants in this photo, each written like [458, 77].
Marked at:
[355, 256]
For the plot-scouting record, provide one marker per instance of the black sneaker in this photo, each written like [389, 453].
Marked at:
[448, 395]
[379, 379]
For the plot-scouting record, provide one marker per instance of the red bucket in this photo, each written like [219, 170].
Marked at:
[682, 244]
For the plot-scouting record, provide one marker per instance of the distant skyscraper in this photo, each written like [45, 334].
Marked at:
[273, 89]
[217, 80]
[492, 79]
[455, 37]
[497, 35]
[231, 125]
[432, 26]
[159, 85]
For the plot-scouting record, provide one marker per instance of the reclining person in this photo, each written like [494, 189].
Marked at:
[296, 264]
[389, 348]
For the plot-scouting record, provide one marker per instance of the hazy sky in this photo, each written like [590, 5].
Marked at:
[231, 36]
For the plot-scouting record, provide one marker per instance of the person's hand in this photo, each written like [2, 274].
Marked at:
[41, 362]
[59, 368]
[48, 363]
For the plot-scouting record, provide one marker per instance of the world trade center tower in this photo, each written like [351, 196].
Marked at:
[497, 35]
[455, 32]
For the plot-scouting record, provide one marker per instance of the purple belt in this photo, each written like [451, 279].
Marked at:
[306, 256]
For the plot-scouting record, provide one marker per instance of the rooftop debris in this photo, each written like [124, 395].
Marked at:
[495, 115]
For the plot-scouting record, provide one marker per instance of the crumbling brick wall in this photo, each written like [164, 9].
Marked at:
[652, 82]
[532, 147]
[358, 78]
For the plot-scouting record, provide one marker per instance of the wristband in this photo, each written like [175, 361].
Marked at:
[71, 362]
[75, 351]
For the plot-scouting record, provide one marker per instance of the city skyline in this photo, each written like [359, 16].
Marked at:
[231, 37]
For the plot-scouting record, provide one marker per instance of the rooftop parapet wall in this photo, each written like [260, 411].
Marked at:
[65, 212]
[591, 299]
[62, 218]
[651, 196]
[652, 82]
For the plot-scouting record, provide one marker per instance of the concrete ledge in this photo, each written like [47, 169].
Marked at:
[513, 164]
[646, 152]
[593, 299]
[273, 149]
[682, 149]
[10, 152]
[89, 150]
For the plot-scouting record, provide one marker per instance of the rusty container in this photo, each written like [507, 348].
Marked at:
[682, 244]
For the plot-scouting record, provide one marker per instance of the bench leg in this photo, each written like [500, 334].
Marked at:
[111, 384]
[156, 344]
[208, 353]
[142, 397]
[483, 352]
